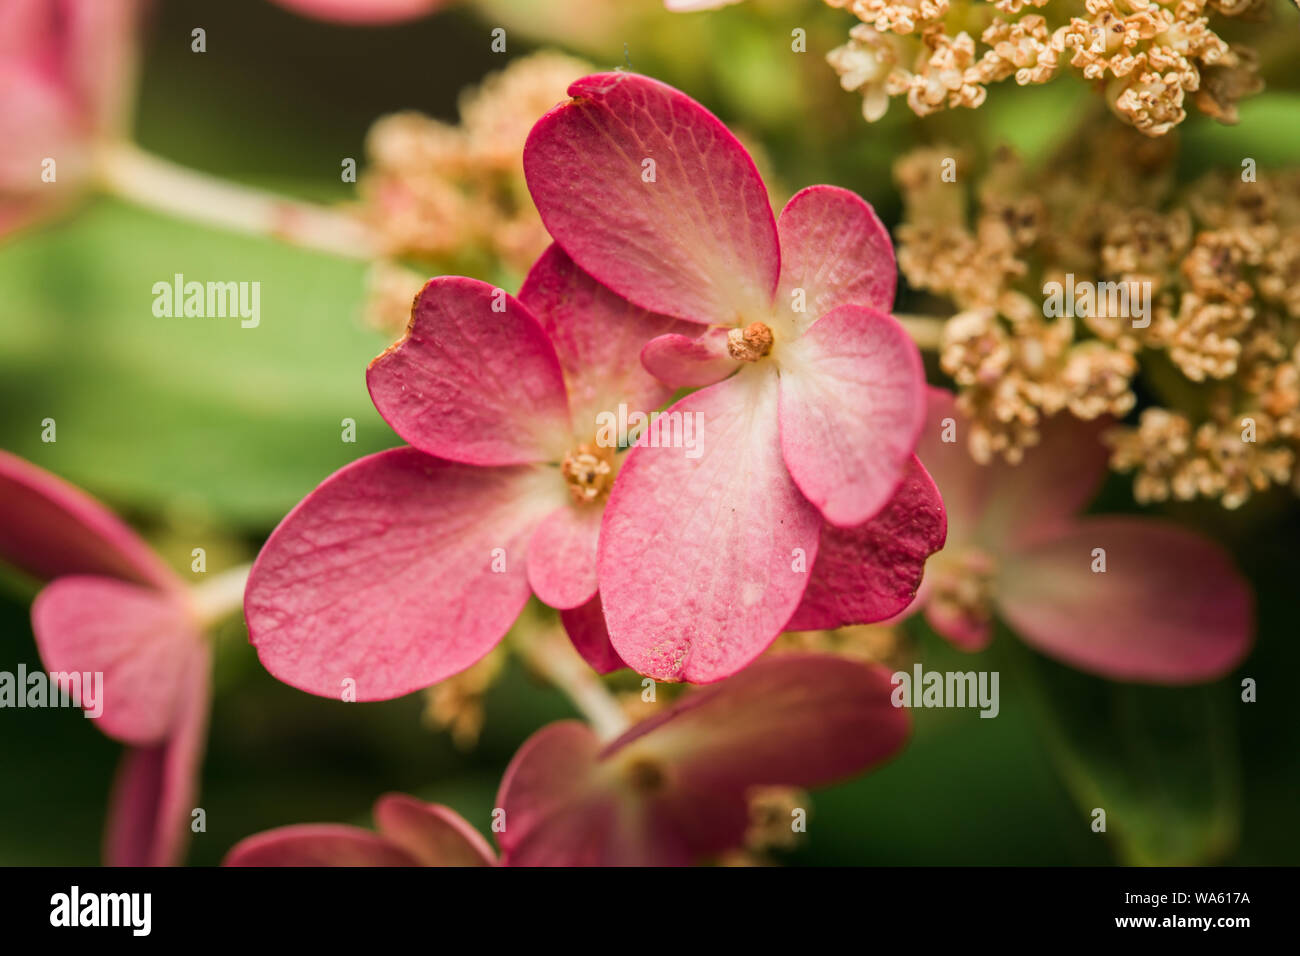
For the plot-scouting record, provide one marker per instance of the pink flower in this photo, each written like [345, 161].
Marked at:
[1124, 597]
[705, 560]
[114, 607]
[362, 11]
[670, 791]
[408, 566]
[66, 71]
[411, 833]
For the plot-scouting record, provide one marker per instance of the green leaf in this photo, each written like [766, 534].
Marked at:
[197, 413]
[1161, 761]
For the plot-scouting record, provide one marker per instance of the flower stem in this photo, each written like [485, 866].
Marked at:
[926, 330]
[220, 594]
[126, 171]
[551, 655]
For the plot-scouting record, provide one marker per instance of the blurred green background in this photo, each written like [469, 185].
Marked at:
[203, 434]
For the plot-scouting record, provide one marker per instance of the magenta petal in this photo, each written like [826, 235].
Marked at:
[1169, 608]
[435, 835]
[653, 196]
[684, 361]
[852, 407]
[362, 11]
[318, 844]
[143, 642]
[384, 574]
[836, 250]
[50, 528]
[562, 556]
[872, 572]
[473, 384]
[153, 799]
[698, 556]
[585, 626]
[594, 333]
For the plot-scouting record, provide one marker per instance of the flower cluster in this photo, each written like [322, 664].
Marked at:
[1218, 260]
[1150, 57]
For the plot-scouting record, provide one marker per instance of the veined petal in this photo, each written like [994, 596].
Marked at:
[685, 361]
[318, 844]
[435, 835]
[1168, 609]
[852, 406]
[836, 250]
[697, 555]
[50, 528]
[396, 572]
[872, 572]
[594, 332]
[143, 641]
[562, 555]
[585, 626]
[153, 797]
[656, 199]
[474, 380]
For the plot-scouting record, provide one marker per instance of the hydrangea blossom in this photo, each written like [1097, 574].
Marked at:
[114, 607]
[704, 560]
[670, 791]
[1122, 596]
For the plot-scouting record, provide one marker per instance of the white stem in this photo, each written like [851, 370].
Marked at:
[126, 171]
[554, 658]
[926, 330]
[220, 594]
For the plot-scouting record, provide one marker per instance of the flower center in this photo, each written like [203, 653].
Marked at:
[589, 472]
[750, 343]
[645, 776]
[963, 587]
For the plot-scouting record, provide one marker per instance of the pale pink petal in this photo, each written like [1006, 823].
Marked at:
[834, 249]
[49, 528]
[852, 406]
[698, 555]
[685, 361]
[101, 51]
[151, 807]
[562, 555]
[872, 572]
[38, 121]
[687, 6]
[472, 384]
[435, 835]
[656, 199]
[964, 483]
[362, 11]
[318, 844]
[143, 642]
[585, 626]
[595, 334]
[383, 576]
[1169, 608]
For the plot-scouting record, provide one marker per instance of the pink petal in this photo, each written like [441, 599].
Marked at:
[998, 505]
[698, 242]
[585, 626]
[562, 555]
[1169, 609]
[49, 528]
[594, 333]
[872, 572]
[318, 844]
[362, 11]
[383, 574]
[142, 641]
[471, 384]
[697, 555]
[153, 799]
[836, 250]
[684, 361]
[435, 835]
[965, 632]
[852, 407]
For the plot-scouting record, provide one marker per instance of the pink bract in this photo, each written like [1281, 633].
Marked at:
[1169, 608]
[363, 11]
[113, 606]
[814, 397]
[408, 566]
